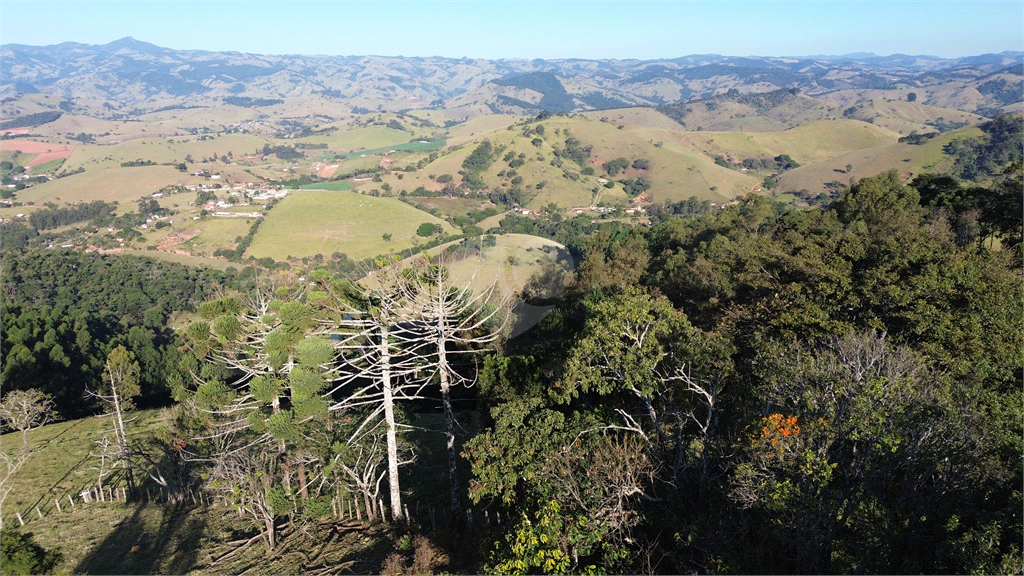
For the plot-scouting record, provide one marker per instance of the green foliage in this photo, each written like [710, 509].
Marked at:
[67, 310]
[426, 230]
[19, 554]
[49, 218]
[549, 544]
[480, 158]
[214, 393]
[985, 157]
[874, 199]
[281, 426]
[614, 166]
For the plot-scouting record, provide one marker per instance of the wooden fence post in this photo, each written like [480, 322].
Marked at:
[383, 514]
[38, 511]
[359, 513]
[18, 514]
[57, 502]
[72, 500]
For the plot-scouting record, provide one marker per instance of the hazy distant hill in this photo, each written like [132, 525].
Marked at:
[132, 72]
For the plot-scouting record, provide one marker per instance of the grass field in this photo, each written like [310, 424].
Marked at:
[147, 536]
[336, 186]
[870, 161]
[417, 146]
[310, 222]
[217, 233]
[60, 463]
[360, 139]
[120, 184]
[45, 167]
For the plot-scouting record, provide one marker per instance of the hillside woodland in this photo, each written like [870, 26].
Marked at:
[706, 315]
[760, 389]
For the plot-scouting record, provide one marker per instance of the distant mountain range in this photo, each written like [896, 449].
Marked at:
[132, 72]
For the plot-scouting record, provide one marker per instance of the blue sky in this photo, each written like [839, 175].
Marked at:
[564, 29]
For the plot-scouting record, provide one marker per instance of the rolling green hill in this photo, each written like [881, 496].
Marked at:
[311, 222]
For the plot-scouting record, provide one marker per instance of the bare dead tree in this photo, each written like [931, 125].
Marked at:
[121, 385]
[362, 467]
[384, 347]
[456, 322]
[108, 452]
[246, 478]
[24, 410]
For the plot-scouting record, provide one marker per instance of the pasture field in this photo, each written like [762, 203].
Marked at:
[452, 206]
[870, 161]
[639, 116]
[360, 139]
[825, 139]
[335, 186]
[904, 117]
[111, 184]
[168, 150]
[218, 232]
[478, 127]
[417, 146]
[676, 172]
[44, 167]
[806, 144]
[59, 464]
[309, 222]
[147, 536]
[509, 264]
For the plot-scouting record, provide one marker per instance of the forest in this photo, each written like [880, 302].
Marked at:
[753, 389]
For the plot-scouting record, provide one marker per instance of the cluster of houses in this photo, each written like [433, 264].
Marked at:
[223, 208]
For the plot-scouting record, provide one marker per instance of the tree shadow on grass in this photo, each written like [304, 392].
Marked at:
[138, 546]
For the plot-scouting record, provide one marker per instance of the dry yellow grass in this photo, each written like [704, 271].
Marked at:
[112, 184]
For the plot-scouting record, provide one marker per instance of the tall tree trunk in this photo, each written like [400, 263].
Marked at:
[449, 423]
[442, 368]
[389, 418]
[122, 439]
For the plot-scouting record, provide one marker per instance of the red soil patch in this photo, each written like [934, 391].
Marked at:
[327, 171]
[46, 151]
[33, 147]
[14, 131]
[47, 156]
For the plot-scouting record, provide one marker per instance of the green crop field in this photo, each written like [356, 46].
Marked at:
[309, 222]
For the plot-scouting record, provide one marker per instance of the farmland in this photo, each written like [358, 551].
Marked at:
[312, 222]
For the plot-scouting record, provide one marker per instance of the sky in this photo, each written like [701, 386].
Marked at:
[539, 29]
